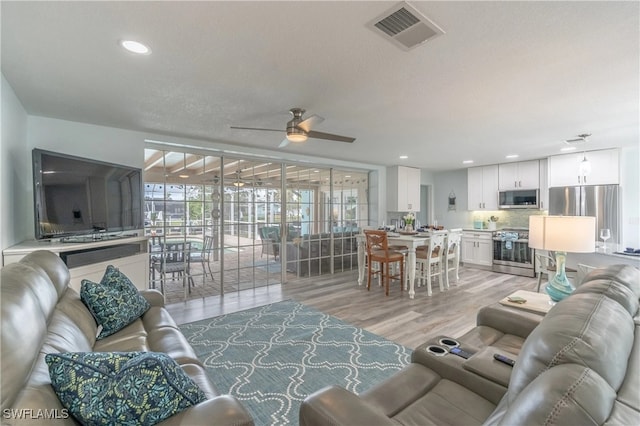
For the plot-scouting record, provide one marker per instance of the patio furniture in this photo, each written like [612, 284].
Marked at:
[174, 259]
[310, 254]
[270, 237]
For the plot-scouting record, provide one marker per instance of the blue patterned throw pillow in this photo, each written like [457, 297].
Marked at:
[121, 388]
[114, 302]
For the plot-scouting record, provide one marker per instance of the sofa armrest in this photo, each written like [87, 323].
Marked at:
[334, 405]
[224, 410]
[154, 297]
[508, 320]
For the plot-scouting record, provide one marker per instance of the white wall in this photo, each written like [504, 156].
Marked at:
[444, 183]
[13, 180]
[630, 194]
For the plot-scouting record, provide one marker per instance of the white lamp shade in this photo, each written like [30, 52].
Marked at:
[573, 234]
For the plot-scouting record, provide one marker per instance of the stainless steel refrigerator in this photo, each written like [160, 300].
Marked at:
[600, 201]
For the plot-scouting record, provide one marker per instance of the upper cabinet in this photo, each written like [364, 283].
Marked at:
[603, 168]
[521, 175]
[403, 189]
[482, 187]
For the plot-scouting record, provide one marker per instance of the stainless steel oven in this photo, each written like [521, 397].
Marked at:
[511, 252]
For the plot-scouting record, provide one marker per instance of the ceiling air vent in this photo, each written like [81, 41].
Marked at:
[405, 27]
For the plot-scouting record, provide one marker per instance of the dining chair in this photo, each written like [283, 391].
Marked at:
[378, 251]
[174, 259]
[429, 262]
[452, 255]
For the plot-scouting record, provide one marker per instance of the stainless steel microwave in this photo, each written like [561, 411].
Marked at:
[519, 199]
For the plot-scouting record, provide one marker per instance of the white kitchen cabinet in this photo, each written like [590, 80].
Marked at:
[564, 170]
[403, 189]
[476, 248]
[520, 175]
[482, 188]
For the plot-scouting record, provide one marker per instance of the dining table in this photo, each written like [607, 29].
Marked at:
[411, 241]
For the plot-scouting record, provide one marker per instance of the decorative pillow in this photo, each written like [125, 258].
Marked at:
[115, 302]
[121, 388]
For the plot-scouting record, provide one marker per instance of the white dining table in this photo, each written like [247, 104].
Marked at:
[411, 241]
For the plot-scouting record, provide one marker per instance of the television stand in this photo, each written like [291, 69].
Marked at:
[92, 238]
[88, 259]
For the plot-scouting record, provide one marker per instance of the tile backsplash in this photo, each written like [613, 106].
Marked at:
[507, 218]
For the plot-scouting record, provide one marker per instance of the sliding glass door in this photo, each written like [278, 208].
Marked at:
[247, 223]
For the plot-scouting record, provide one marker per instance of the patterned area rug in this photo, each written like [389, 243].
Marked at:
[273, 356]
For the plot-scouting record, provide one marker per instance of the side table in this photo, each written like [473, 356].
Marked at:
[538, 303]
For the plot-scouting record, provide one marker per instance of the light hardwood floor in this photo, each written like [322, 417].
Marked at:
[396, 317]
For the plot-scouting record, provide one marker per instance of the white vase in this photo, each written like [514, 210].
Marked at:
[408, 227]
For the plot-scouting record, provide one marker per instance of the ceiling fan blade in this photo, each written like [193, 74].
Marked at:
[329, 136]
[256, 128]
[310, 122]
[284, 143]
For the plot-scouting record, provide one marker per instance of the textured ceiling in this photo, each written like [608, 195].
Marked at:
[506, 77]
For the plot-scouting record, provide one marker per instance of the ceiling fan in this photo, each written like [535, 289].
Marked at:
[299, 129]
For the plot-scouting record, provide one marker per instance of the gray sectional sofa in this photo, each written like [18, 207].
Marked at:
[310, 254]
[40, 314]
[577, 365]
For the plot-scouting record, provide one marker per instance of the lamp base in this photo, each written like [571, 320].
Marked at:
[559, 287]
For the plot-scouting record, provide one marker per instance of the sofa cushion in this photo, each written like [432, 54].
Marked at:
[137, 388]
[114, 302]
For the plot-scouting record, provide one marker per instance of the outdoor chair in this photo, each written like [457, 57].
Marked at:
[174, 259]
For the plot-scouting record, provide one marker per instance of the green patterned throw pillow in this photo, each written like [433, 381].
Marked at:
[121, 388]
[114, 302]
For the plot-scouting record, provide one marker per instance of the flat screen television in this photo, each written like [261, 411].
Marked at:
[76, 196]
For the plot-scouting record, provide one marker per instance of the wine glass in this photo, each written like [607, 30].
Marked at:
[605, 234]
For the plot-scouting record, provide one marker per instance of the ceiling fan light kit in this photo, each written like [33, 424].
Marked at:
[296, 135]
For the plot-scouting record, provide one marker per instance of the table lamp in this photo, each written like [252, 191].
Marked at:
[562, 234]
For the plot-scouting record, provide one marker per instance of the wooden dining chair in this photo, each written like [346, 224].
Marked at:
[378, 251]
[429, 262]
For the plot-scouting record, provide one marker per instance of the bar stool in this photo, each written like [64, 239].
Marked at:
[378, 251]
[452, 255]
[429, 262]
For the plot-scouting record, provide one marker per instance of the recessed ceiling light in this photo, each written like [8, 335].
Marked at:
[135, 47]
[183, 176]
[404, 157]
[347, 176]
[568, 148]
[467, 162]
[511, 156]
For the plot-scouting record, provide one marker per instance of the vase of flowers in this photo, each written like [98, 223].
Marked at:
[409, 220]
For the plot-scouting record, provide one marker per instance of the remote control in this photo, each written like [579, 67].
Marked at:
[460, 353]
[504, 359]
